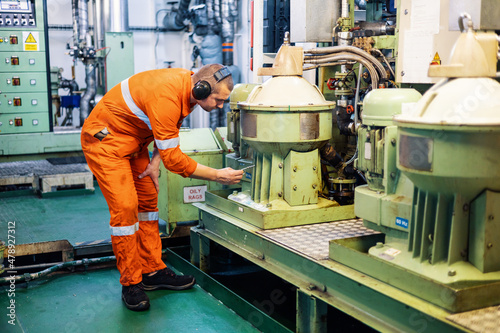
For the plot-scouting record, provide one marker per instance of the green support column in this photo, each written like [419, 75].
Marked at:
[195, 248]
[311, 314]
[204, 246]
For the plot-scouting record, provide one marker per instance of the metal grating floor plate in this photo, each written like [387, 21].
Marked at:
[313, 239]
[41, 167]
[482, 320]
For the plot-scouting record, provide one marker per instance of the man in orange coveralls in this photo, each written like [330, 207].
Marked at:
[115, 137]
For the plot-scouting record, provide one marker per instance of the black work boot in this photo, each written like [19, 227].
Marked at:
[167, 279]
[135, 298]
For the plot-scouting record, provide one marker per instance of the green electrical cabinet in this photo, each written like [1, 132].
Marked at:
[24, 95]
[177, 193]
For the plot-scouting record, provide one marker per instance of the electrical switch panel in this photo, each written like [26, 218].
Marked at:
[25, 98]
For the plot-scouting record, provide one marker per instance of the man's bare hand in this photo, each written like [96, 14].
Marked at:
[153, 171]
[228, 176]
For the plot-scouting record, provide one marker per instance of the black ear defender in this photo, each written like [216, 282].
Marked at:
[202, 88]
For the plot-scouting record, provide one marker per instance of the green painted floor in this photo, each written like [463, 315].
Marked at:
[90, 302]
[76, 218]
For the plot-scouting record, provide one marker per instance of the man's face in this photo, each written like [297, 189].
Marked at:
[215, 100]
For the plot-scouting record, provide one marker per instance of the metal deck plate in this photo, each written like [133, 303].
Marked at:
[46, 177]
[313, 239]
[41, 167]
[482, 320]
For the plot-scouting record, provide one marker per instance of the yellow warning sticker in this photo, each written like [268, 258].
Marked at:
[31, 41]
[436, 60]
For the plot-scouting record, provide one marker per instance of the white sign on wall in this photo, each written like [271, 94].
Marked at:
[194, 193]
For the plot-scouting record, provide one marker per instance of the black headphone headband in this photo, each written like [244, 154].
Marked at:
[202, 88]
[222, 73]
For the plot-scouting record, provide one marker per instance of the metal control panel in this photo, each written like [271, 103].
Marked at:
[17, 13]
[24, 94]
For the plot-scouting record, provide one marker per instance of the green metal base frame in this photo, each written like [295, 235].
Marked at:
[244, 309]
[371, 301]
[388, 263]
[324, 211]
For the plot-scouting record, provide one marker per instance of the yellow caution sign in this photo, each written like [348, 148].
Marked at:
[436, 60]
[32, 39]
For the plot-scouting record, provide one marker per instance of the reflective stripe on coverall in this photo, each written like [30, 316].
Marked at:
[149, 105]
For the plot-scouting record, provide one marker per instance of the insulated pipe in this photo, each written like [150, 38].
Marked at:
[214, 118]
[83, 22]
[233, 7]
[345, 8]
[227, 34]
[115, 15]
[212, 25]
[74, 5]
[217, 11]
[98, 24]
[169, 22]
[181, 12]
[88, 96]
[211, 49]
[34, 276]
[69, 84]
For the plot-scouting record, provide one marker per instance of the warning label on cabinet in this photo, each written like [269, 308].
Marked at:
[30, 41]
[194, 193]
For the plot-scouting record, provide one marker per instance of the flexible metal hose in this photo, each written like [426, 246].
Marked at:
[326, 61]
[326, 51]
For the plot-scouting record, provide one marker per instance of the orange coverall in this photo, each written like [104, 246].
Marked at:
[145, 107]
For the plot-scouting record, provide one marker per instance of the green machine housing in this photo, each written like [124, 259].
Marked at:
[242, 155]
[385, 202]
[177, 193]
[439, 210]
[277, 129]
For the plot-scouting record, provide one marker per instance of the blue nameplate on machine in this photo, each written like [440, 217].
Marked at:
[401, 222]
